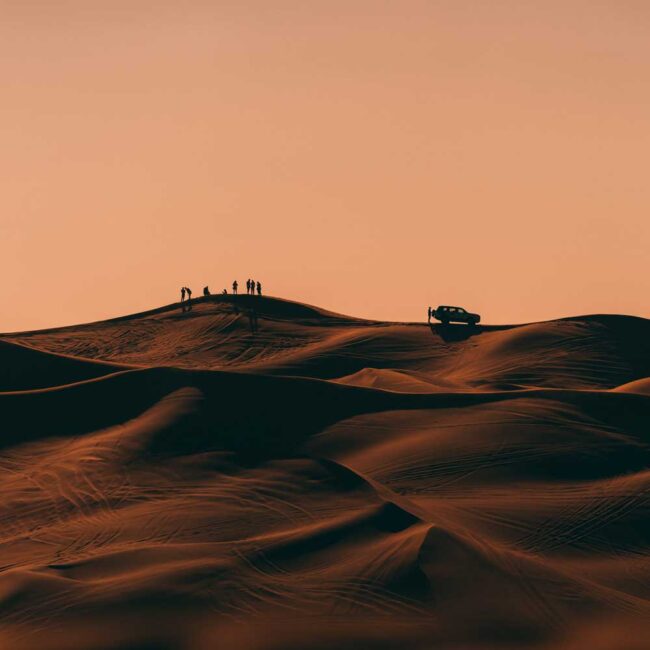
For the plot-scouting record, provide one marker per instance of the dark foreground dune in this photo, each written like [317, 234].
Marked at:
[172, 481]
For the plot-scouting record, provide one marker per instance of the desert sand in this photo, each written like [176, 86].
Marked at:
[173, 481]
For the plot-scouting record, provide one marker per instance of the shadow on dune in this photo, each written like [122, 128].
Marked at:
[453, 333]
[219, 492]
[26, 368]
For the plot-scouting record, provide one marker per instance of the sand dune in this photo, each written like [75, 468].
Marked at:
[174, 481]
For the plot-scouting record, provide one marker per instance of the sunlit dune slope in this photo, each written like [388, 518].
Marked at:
[296, 339]
[174, 481]
[641, 386]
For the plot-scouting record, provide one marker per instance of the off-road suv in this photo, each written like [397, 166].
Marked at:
[455, 315]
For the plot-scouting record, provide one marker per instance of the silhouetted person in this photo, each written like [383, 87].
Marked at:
[182, 298]
[206, 291]
[430, 314]
[234, 287]
[259, 289]
[189, 298]
[248, 286]
[225, 293]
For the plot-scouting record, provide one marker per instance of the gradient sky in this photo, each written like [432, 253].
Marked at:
[368, 156]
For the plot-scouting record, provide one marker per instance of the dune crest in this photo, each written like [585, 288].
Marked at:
[175, 481]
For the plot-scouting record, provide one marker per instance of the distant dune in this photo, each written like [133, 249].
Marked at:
[174, 481]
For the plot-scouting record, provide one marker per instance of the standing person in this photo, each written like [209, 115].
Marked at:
[234, 287]
[259, 289]
[248, 286]
[429, 314]
[182, 298]
[189, 298]
[206, 291]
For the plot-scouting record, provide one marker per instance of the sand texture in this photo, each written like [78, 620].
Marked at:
[174, 481]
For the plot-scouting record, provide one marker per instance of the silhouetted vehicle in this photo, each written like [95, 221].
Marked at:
[447, 315]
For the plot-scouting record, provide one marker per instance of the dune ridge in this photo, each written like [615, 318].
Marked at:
[174, 481]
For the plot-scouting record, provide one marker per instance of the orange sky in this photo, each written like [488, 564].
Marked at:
[368, 156]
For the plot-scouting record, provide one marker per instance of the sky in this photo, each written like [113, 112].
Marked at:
[371, 157]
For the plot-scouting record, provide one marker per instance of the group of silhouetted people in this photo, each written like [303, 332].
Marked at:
[186, 292]
[251, 285]
[186, 305]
